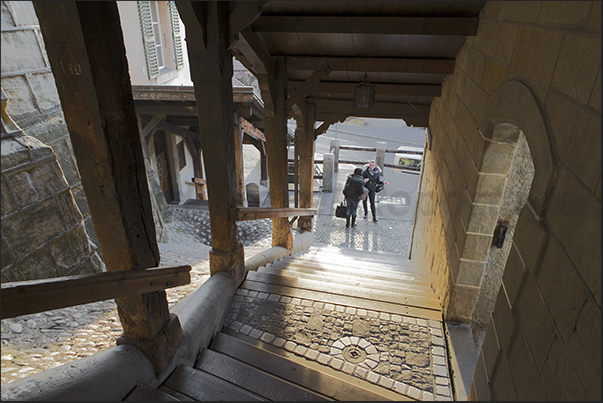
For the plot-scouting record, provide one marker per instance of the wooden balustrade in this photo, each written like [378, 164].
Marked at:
[33, 296]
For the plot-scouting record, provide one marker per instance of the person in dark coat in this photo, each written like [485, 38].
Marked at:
[371, 176]
[353, 189]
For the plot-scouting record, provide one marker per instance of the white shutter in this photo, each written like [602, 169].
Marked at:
[176, 35]
[146, 24]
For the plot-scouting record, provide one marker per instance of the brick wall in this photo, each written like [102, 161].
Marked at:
[533, 70]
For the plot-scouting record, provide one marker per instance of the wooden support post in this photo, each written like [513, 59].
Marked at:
[306, 164]
[85, 46]
[275, 130]
[238, 157]
[211, 72]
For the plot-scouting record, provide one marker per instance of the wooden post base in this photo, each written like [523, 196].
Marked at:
[231, 262]
[163, 347]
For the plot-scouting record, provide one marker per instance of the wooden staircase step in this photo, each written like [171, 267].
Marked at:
[144, 392]
[427, 300]
[391, 285]
[345, 300]
[249, 377]
[296, 373]
[354, 274]
[369, 257]
[200, 385]
[357, 265]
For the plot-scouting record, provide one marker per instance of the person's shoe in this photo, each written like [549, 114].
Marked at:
[365, 216]
[375, 220]
[353, 221]
[347, 221]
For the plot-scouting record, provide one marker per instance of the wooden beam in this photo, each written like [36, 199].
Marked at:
[369, 64]
[367, 25]
[402, 90]
[192, 15]
[381, 109]
[305, 87]
[243, 15]
[179, 131]
[260, 213]
[27, 297]
[151, 124]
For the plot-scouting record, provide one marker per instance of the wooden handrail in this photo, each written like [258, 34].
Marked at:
[258, 213]
[33, 296]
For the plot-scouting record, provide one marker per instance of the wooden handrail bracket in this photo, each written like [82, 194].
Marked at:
[26, 297]
[258, 213]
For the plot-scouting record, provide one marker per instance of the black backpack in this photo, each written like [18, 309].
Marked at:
[349, 190]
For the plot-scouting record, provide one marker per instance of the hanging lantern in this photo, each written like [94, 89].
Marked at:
[364, 94]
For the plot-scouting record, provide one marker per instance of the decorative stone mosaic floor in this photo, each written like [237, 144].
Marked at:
[404, 354]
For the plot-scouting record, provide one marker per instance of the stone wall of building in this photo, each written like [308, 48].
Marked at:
[34, 102]
[43, 232]
[534, 68]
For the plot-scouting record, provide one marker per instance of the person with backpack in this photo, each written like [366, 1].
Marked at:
[352, 191]
[371, 175]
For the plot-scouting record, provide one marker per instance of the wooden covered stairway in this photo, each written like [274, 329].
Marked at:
[323, 324]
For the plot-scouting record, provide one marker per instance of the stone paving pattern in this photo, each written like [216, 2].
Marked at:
[404, 354]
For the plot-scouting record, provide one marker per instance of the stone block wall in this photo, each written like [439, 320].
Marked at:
[34, 103]
[43, 233]
[533, 70]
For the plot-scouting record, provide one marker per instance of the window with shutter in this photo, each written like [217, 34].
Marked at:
[176, 35]
[148, 38]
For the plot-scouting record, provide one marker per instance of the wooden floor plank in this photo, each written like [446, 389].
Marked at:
[367, 258]
[200, 385]
[175, 394]
[390, 285]
[252, 379]
[146, 393]
[427, 301]
[354, 302]
[356, 265]
[322, 383]
[348, 269]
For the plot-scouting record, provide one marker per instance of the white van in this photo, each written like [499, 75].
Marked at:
[409, 160]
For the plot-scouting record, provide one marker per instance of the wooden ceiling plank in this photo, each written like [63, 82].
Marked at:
[381, 89]
[367, 25]
[381, 64]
